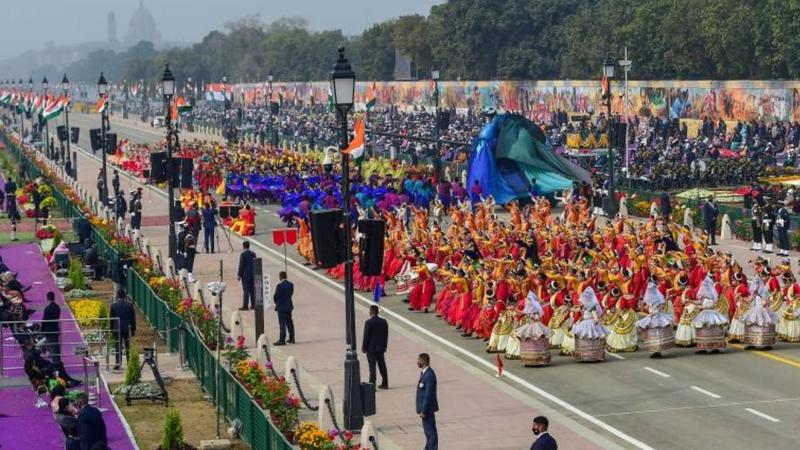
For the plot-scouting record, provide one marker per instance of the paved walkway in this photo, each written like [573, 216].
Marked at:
[23, 425]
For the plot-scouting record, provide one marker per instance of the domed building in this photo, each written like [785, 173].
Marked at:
[142, 27]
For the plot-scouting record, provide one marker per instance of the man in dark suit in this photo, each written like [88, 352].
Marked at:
[245, 275]
[91, 427]
[50, 327]
[283, 305]
[710, 213]
[427, 402]
[124, 326]
[209, 224]
[376, 338]
[543, 439]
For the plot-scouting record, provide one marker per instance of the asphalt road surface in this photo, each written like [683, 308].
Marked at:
[735, 400]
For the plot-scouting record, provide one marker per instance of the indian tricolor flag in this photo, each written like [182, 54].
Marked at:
[182, 105]
[38, 104]
[102, 104]
[372, 97]
[356, 147]
[53, 109]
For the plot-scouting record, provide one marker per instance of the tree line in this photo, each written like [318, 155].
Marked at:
[496, 39]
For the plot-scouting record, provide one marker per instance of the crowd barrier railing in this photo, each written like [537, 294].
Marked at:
[235, 402]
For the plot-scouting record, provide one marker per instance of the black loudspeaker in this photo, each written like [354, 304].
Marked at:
[187, 167]
[111, 143]
[75, 134]
[224, 212]
[444, 120]
[368, 399]
[619, 136]
[370, 258]
[96, 139]
[61, 131]
[327, 236]
[175, 172]
[158, 167]
[274, 107]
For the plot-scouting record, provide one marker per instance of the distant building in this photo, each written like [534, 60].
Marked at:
[142, 27]
[112, 27]
[404, 67]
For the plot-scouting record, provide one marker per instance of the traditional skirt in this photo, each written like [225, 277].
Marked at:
[711, 338]
[535, 352]
[736, 332]
[568, 344]
[685, 336]
[623, 337]
[790, 328]
[657, 339]
[513, 347]
[759, 336]
[587, 350]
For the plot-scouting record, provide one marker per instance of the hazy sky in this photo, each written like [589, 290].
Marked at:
[28, 24]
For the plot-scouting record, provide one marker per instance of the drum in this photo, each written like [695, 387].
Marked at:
[535, 352]
[406, 282]
[756, 336]
[710, 338]
[657, 339]
[588, 350]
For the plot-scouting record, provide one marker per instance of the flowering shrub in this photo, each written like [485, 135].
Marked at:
[235, 352]
[48, 202]
[309, 436]
[206, 321]
[88, 311]
[273, 394]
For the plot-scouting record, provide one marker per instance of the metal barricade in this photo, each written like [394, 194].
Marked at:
[93, 336]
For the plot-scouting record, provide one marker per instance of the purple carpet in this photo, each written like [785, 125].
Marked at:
[34, 428]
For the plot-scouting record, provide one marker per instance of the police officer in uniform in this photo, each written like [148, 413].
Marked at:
[121, 207]
[769, 224]
[136, 209]
[189, 251]
[180, 248]
[756, 220]
[783, 223]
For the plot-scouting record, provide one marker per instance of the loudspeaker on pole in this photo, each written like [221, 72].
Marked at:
[327, 236]
[371, 246]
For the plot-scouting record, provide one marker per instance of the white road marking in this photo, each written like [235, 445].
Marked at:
[705, 392]
[762, 415]
[694, 407]
[657, 372]
[614, 355]
[477, 359]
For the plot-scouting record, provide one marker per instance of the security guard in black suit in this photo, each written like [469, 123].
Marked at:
[245, 275]
[376, 339]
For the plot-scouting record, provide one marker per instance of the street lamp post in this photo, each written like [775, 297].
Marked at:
[343, 82]
[22, 116]
[272, 134]
[168, 86]
[608, 75]
[435, 78]
[46, 122]
[30, 89]
[102, 91]
[65, 85]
